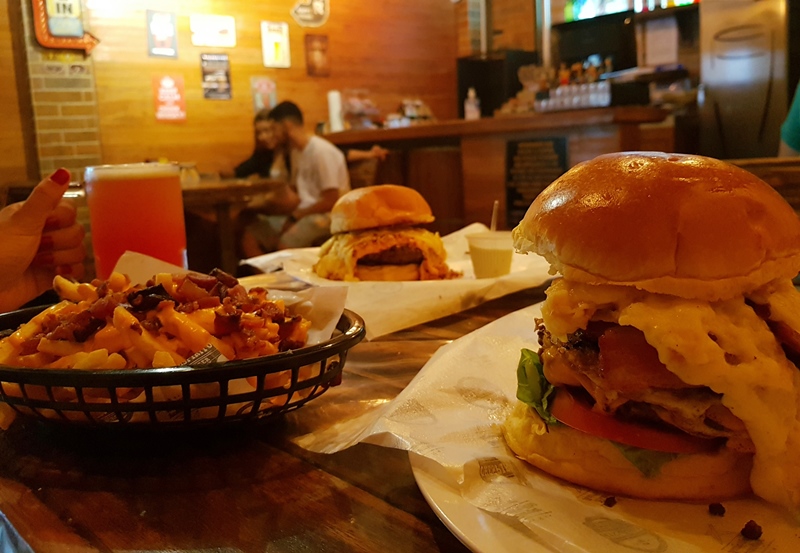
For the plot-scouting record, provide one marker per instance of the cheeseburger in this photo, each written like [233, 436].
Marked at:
[669, 349]
[376, 237]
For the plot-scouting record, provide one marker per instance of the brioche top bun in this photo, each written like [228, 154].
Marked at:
[598, 464]
[382, 205]
[684, 225]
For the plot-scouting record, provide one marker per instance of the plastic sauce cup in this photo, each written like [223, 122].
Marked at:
[491, 253]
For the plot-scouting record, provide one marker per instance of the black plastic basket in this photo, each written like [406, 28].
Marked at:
[178, 397]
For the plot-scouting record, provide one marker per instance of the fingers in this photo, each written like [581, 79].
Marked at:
[62, 238]
[76, 271]
[56, 258]
[63, 216]
[61, 244]
[41, 202]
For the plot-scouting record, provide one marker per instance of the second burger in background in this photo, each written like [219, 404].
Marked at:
[376, 236]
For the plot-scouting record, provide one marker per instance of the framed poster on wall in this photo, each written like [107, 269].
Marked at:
[317, 63]
[216, 71]
[275, 44]
[531, 165]
[162, 38]
[217, 31]
[169, 97]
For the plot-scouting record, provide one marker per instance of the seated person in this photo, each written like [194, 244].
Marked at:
[790, 130]
[320, 176]
[267, 160]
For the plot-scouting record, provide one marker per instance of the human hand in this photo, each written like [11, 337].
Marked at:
[41, 238]
[378, 152]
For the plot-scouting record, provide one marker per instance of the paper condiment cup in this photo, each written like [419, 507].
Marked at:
[491, 253]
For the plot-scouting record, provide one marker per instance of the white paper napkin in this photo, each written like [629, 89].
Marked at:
[452, 413]
[391, 306]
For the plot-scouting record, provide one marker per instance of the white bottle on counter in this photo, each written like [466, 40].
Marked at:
[335, 116]
[472, 106]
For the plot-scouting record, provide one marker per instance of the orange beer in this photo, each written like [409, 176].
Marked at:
[136, 207]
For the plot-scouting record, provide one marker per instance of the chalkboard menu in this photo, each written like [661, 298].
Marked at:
[531, 165]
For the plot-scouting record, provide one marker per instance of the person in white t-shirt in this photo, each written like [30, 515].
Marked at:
[319, 175]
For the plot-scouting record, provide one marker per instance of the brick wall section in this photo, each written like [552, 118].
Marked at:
[64, 105]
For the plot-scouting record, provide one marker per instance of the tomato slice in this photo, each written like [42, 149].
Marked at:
[578, 415]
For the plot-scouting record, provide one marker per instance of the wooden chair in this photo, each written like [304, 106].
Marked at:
[363, 173]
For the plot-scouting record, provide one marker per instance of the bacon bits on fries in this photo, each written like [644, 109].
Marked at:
[113, 325]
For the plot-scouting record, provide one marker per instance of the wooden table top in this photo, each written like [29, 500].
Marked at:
[208, 192]
[213, 192]
[242, 489]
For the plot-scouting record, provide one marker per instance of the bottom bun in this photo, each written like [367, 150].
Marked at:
[387, 272]
[597, 463]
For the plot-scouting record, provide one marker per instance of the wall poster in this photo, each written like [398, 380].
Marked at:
[265, 93]
[317, 64]
[311, 13]
[162, 38]
[275, 44]
[216, 71]
[218, 31]
[169, 97]
[531, 165]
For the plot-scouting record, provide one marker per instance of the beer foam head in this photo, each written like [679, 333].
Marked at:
[130, 171]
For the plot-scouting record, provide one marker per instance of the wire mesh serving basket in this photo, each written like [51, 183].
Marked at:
[179, 397]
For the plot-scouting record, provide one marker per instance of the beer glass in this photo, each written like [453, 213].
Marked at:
[136, 207]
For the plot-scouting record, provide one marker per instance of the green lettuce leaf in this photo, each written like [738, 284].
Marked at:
[532, 387]
[648, 462]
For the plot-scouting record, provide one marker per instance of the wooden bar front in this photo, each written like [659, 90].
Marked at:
[460, 166]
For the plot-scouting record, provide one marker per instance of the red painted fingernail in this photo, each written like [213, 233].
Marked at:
[64, 270]
[46, 243]
[44, 258]
[61, 176]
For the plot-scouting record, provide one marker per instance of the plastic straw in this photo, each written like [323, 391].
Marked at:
[495, 209]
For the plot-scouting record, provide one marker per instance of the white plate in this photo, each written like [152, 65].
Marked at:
[480, 531]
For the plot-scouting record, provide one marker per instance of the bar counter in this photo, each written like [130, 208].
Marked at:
[507, 124]
[461, 167]
[242, 489]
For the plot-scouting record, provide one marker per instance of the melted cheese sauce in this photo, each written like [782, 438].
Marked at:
[723, 345]
[340, 254]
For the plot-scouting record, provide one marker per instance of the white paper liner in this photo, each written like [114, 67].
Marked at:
[387, 307]
[452, 413]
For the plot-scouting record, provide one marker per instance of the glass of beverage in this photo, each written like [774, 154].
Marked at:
[491, 253]
[136, 207]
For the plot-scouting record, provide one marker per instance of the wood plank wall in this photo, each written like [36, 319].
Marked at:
[14, 165]
[393, 48]
[514, 24]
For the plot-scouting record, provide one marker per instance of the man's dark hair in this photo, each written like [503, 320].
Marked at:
[286, 111]
[262, 115]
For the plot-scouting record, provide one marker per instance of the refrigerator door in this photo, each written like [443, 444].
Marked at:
[743, 73]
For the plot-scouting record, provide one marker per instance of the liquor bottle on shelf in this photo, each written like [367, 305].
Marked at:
[472, 106]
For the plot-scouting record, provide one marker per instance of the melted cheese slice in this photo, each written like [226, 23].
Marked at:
[340, 254]
[723, 345]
